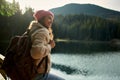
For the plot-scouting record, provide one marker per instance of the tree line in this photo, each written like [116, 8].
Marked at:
[84, 27]
[12, 20]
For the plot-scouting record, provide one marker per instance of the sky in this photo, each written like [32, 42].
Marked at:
[49, 4]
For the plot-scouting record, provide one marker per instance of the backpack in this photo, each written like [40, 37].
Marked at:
[18, 63]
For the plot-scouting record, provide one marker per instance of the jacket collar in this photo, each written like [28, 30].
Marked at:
[37, 24]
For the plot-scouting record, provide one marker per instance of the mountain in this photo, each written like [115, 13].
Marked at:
[88, 9]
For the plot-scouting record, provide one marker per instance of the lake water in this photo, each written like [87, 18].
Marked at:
[98, 66]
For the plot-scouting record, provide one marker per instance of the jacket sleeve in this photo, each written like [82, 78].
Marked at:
[40, 47]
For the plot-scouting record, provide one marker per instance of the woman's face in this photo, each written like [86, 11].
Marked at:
[48, 20]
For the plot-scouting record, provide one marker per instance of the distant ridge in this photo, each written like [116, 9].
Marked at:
[88, 9]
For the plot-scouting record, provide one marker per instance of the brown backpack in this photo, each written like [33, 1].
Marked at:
[18, 63]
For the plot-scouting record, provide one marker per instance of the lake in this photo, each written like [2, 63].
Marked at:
[98, 66]
[86, 61]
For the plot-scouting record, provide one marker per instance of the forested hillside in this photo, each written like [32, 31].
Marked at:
[84, 27]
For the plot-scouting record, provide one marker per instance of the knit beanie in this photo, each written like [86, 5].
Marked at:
[41, 13]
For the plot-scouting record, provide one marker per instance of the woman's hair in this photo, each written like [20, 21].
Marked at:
[51, 33]
[41, 21]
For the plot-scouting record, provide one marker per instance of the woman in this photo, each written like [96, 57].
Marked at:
[42, 43]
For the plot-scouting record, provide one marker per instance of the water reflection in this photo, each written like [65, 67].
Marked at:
[84, 47]
[69, 70]
[100, 66]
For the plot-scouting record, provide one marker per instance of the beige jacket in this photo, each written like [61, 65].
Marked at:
[40, 47]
